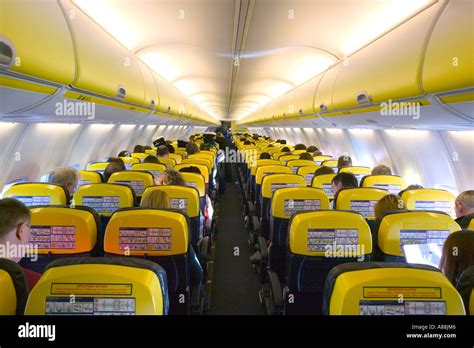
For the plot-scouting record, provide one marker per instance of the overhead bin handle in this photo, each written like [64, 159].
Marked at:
[323, 107]
[121, 92]
[152, 103]
[7, 53]
[363, 98]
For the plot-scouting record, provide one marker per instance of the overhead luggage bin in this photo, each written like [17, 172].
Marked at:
[39, 37]
[449, 62]
[104, 66]
[151, 98]
[324, 91]
[363, 76]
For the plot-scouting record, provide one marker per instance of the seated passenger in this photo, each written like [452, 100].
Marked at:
[66, 177]
[162, 151]
[15, 232]
[192, 148]
[342, 181]
[317, 153]
[458, 254]
[265, 155]
[151, 159]
[311, 149]
[306, 156]
[344, 161]
[138, 149]
[170, 148]
[161, 200]
[381, 169]
[113, 167]
[116, 160]
[171, 177]
[323, 171]
[209, 210]
[147, 147]
[124, 154]
[300, 147]
[464, 208]
[247, 142]
[386, 203]
[286, 149]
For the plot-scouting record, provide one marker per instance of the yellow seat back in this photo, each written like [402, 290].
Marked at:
[155, 169]
[367, 288]
[361, 200]
[197, 181]
[261, 162]
[104, 198]
[32, 194]
[320, 159]
[270, 169]
[139, 155]
[183, 198]
[14, 288]
[89, 177]
[138, 181]
[168, 162]
[129, 161]
[198, 160]
[58, 230]
[100, 286]
[392, 183]
[205, 156]
[273, 182]
[297, 164]
[395, 229]
[288, 201]
[307, 172]
[324, 182]
[429, 199]
[202, 168]
[284, 159]
[97, 166]
[331, 164]
[177, 157]
[329, 233]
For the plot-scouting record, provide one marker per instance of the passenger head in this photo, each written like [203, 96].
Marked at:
[162, 151]
[171, 177]
[66, 177]
[285, 149]
[15, 229]
[147, 147]
[192, 148]
[464, 203]
[265, 155]
[344, 161]
[323, 171]
[205, 147]
[386, 203]
[124, 154]
[317, 153]
[306, 156]
[138, 149]
[300, 147]
[170, 148]
[247, 142]
[116, 160]
[151, 159]
[457, 255]
[311, 149]
[342, 181]
[113, 167]
[190, 169]
[381, 169]
[156, 199]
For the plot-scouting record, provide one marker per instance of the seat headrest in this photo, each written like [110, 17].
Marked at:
[397, 228]
[14, 288]
[392, 183]
[147, 231]
[33, 194]
[104, 198]
[288, 201]
[183, 198]
[64, 230]
[429, 199]
[359, 199]
[270, 169]
[197, 181]
[385, 288]
[106, 286]
[329, 233]
[137, 180]
[273, 182]
[324, 182]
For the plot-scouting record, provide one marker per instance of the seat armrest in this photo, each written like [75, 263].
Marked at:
[196, 300]
[276, 292]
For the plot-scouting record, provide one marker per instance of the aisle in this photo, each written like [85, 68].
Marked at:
[235, 285]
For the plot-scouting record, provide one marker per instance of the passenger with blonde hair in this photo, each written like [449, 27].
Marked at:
[386, 203]
[156, 199]
[171, 177]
